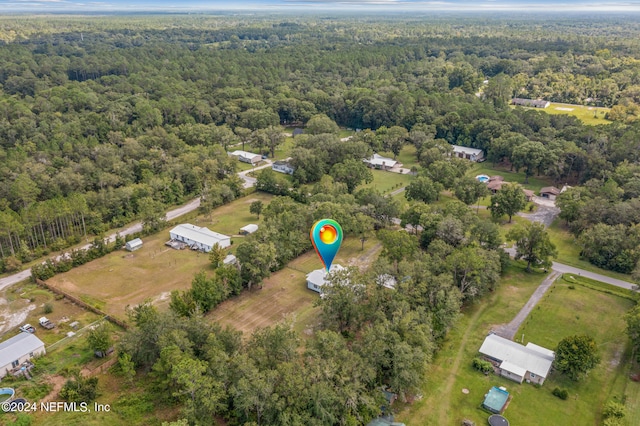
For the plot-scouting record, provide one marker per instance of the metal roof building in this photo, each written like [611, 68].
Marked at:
[518, 362]
[248, 229]
[472, 154]
[380, 162]
[200, 238]
[134, 244]
[318, 278]
[246, 157]
[17, 350]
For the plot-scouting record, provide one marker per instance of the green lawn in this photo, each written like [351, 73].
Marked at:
[535, 182]
[387, 181]
[407, 156]
[561, 312]
[569, 251]
[586, 114]
[443, 402]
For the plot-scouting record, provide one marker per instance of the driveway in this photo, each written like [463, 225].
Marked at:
[251, 181]
[546, 212]
[508, 331]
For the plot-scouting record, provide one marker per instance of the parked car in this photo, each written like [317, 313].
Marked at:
[28, 328]
[46, 323]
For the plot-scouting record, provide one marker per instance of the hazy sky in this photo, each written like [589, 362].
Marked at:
[43, 6]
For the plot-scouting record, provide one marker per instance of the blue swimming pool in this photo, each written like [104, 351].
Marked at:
[483, 178]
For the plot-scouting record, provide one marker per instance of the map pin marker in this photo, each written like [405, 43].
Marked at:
[326, 236]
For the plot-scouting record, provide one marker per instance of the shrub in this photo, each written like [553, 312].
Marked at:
[482, 365]
[48, 308]
[613, 409]
[560, 393]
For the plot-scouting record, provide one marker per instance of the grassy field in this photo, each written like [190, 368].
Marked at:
[121, 278]
[387, 181]
[24, 304]
[284, 295]
[587, 114]
[535, 182]
[569, 251]
[443, 402]
[407, 156]
[562, 312]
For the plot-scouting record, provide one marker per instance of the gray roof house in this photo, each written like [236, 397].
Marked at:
[17, 350]
[535, 103]
[380, 162]
[318, 278]
[283, 167]
[246, 157]
[517, 362]
[199, 238]
[472, 154]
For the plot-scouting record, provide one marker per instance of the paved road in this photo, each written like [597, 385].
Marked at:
[508, 331]
[136, 227]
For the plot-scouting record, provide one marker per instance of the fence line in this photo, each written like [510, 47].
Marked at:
[77, 333]
[82, 303]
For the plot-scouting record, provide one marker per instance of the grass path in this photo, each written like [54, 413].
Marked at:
[443, 414]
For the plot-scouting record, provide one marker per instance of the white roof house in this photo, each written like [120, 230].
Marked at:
[18, 349]
[283, 167]
[318, 278]
[380, 162]
[200, 238]
[246, 157]
[472, 154]
[518, 362]
[249, 229]
[134, 244]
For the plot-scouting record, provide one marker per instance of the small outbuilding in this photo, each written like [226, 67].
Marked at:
[18, 350]
[550, 192]
[133, 245]
[248, 229]
[297, 131]
[229, 260]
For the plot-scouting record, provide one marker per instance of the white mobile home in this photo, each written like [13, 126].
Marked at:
[472, 154]
[199, 238]
[17, 350]
[318, 278]
[246, 157]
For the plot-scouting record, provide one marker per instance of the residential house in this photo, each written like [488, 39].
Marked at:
[550, 192]
[529, 194]
[318, 278]
[133, 245]
[380, 162]
[472, 154]
[517, 362]
[199, 238]
[534, 103]
[283, 167]
[18, 350]
[246, 157]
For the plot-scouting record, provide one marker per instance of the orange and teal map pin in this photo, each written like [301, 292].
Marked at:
[326, 236]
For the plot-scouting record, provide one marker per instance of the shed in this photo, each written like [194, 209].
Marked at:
[550, 192]
[248, 229]
[200, 238]
[133, 245]
[229, 260]
[17, 350]
[529, 194]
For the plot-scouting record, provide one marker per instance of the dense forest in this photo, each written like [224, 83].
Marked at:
[104, 120]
